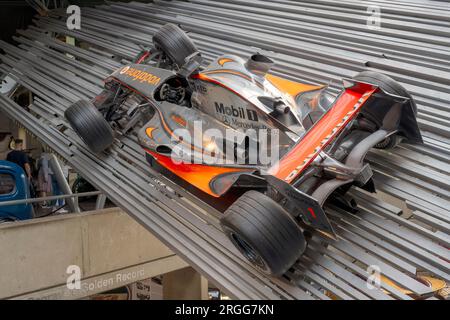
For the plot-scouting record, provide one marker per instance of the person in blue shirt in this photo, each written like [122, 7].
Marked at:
[19, 157]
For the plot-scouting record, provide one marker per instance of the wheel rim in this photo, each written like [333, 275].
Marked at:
[247, 250]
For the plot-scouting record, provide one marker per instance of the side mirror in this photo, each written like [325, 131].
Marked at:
[192, 64]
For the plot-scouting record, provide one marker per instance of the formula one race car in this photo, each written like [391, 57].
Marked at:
[266, 150]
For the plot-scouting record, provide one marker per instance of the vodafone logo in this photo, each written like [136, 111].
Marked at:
[140, 75]
[125, 69]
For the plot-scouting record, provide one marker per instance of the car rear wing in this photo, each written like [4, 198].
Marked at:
[355, 96]
[345, 108]
[403, 121]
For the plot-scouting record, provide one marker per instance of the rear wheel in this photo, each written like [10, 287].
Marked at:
[264, 233]
[376, 112]
[90, 125]
[175, 43]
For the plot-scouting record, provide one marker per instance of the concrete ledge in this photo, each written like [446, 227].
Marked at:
[110, 248]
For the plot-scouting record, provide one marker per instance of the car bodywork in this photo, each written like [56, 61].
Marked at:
[237, 95]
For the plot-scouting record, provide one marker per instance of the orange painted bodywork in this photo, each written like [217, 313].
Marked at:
[287, 86]
[178, 119]
[290, 87]
[222, 61]
[322, 133]
[149, 132]
[199, 175]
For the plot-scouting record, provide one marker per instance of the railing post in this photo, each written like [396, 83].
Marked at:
[62, 182]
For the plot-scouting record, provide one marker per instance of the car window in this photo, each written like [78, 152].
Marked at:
[7, 183]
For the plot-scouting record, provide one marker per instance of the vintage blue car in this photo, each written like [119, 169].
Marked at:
[14, 185]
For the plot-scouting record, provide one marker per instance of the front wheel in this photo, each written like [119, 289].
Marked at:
[90, 125]
[265, 234]
[175, 43]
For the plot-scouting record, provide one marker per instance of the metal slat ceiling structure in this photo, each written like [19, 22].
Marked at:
[315, 41]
